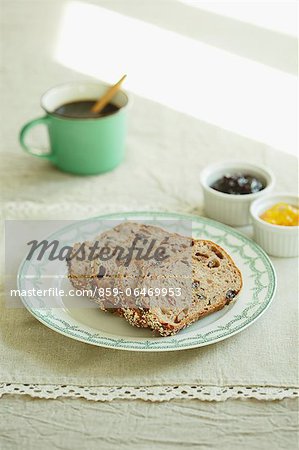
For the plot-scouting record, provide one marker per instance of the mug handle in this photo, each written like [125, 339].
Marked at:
[35, 152]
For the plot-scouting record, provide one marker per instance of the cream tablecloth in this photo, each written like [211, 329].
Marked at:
[165, 152]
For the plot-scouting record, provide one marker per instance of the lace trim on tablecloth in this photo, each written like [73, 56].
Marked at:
[149, 393]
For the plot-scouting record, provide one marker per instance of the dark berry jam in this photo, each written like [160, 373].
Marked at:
[238, 184]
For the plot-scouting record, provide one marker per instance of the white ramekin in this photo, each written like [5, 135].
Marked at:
[228, 208]
[276, 240]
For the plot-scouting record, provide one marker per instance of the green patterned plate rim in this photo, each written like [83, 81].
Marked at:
[259, 286]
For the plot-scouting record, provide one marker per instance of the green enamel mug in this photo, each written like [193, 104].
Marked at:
[83, 146]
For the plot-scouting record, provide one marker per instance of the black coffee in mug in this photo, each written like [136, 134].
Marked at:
[81, 109]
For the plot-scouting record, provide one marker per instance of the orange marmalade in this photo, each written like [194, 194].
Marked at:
[281, 214]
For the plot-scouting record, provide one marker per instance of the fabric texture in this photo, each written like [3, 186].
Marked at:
[76, 425]
[265, 354]
[165, 152]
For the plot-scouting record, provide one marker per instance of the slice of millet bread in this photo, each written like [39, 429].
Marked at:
[97, 274]
[216, 281]
[94, 273]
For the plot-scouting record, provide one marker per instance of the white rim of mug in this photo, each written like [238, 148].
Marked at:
[76, 83]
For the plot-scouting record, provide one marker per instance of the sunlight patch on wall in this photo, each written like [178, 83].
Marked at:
[182, 73]
[279, 16]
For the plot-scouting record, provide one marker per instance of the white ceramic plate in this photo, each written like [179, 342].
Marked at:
[88, 324]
